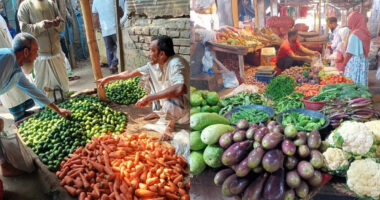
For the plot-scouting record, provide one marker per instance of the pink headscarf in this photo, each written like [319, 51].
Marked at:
[356, 22]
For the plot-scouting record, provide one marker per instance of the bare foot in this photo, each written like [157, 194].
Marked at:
[151, 116]
[8, 170]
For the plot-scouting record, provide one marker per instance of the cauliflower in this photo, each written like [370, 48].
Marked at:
[374, 126]
[353, 137]
[336, 161]
[363, 178]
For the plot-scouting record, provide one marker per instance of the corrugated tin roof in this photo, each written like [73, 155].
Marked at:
[159, 8]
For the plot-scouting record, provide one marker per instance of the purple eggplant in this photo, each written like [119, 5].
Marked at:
[291, 162]
[255, 157]
[239, 136]
[238, 185]
[293, 179]
[255, 189]
[222, 175]
[316, 159]
[316, 180]
[271, 140]
[301, 138]
[255, 126]
[250, 133]
[314, 140]
[272, 160]
[275, 186]
[278, 129]
[256, 144]
[236, 153]
[242, 168]
[288, 147]
[290, 195]
[305, 169]
[271, 125]
[258, 170]
[303, 151]
[242, 124]
[259, 134]
[303, 190]
[226, 185]
[226, 140]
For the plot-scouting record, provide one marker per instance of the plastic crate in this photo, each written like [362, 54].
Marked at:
[266, 78]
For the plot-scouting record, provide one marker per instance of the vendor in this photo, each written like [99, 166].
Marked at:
[290, 51]
[23, 53]
[334, 38]
[167, 78]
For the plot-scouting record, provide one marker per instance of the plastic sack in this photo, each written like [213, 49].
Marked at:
[243, 88]
[207, 60]
[181, 143]
[68, 67]
[378, 74]
[229, 79]
[15, 152]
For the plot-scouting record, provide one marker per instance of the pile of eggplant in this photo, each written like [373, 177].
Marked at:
[269, 162]
[358, 109]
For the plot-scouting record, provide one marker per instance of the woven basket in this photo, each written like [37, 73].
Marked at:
[313, 105]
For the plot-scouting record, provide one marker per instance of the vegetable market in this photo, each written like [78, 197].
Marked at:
[296, 120]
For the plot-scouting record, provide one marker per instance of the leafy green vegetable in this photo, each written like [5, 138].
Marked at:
[241, 99]
[338, 140]
[279, 87]
[291, 101]
[341, 91]
[301, 121]
[252, 115]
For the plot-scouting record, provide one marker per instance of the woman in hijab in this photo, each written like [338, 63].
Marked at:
[343, 34]
[356, 58]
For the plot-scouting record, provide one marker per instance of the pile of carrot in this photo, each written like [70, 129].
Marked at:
[333, 79]
[125, 167]
[309, 90]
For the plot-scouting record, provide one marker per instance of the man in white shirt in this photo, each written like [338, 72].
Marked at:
[167, 77]
[332, 23]
[104, 19]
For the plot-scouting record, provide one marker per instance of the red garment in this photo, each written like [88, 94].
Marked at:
[286, 49]
[278, 71]
[339, 61]
[356, 23]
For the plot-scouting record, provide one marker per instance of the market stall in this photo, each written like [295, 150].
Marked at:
[291, 135]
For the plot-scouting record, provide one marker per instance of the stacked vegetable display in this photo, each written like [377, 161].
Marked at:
[267, 162]
[125, 91]
[204, 101]
[353, 153]
[206, 130]
[291, 101]
[302, 121]
[279, 87]
[52, 137]
[125, 167]
[231, 38]
[334, 79]
[341, 91]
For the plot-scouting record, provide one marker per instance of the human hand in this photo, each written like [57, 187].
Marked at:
[64, 112]
[316, 53]
[57, 21]
[309, 59]
[143, 102]
[47, 23]
[102, 82]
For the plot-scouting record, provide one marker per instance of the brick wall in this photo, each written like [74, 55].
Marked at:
[139, 30]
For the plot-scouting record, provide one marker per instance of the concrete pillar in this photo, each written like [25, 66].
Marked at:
[273, 7]
[373, 23]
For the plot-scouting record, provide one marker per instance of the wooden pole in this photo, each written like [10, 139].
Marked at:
[119, 37]
[235, 12]
[257, 14]
[92, 46]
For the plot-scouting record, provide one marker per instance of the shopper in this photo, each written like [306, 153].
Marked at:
[167, 77]
[22, 54]
[341, 48]
[104, 20]
[290, 53]
[356, 57]
[49, 67]
[334, 39]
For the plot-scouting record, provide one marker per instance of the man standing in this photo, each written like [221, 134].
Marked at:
[291, 53]
[22, 54]
[167, 78]
[15, 99]
[41, 18]
[334, 38]
[104, 19]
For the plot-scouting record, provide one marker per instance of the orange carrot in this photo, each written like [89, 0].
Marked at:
[96, 190]
[171, 195]
[97, 166]
[144, 193]
[63, 173]
[182, 191]
[82, 195]
[85, 182]
[178, 179]
[185, 197]
[70, 190]
[151, 181]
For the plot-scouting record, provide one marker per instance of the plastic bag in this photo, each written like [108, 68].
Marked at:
[68, 67]
[229, 79]
[181, 143]
[378, 74]
[207, 61]
[16, 153]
